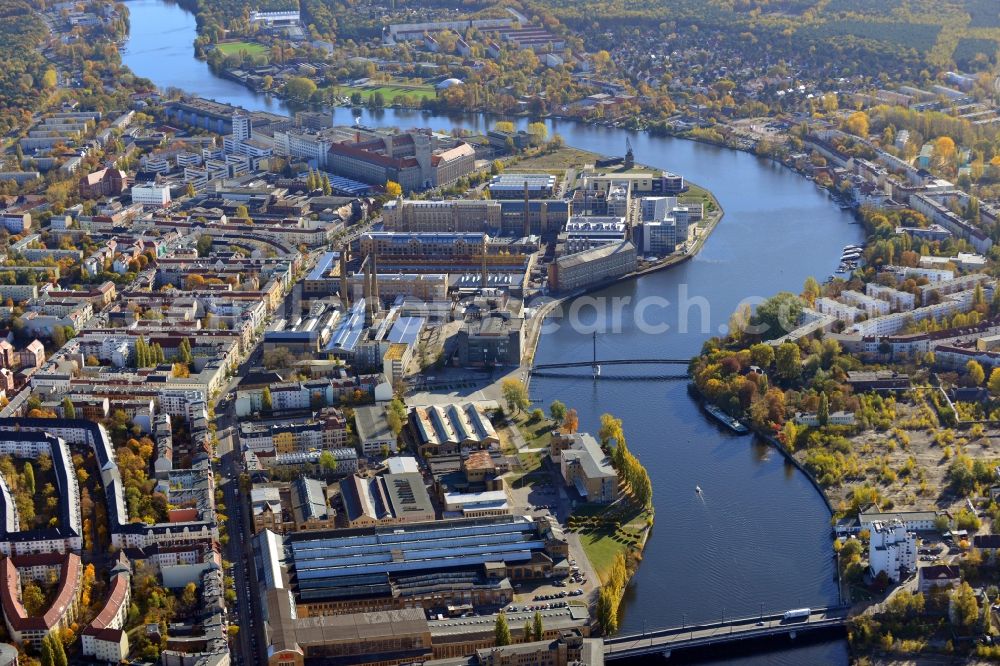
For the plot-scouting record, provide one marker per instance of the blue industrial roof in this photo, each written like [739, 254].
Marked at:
[323, 265]
[406, 330]
[323, 563]
[347, 186]
[349, 330]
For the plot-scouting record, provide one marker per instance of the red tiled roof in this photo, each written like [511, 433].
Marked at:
[116, 597]
[14, 610]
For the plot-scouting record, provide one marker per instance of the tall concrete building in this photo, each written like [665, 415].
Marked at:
[241, 127]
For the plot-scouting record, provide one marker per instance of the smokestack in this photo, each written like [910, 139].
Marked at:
[378, 303]
[527, 212]
[344, 298]
[485, 275]
[367, 282]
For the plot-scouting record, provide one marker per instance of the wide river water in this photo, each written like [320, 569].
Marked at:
[759, 535]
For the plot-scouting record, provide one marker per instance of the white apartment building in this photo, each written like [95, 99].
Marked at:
[952, 286]
[932, 274]
[873, 307]
[891, 324]
[898, 300]
[151, 195]
[188, 403]
[845, 313]
[892, 549]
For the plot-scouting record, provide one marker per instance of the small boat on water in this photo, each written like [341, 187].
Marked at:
[697, 489]
[725, 419]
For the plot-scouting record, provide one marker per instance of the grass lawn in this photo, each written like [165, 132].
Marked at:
[697, 194]
[252, 49]
[390, 90]
[536, 433]
[557, 161]
[606, 531]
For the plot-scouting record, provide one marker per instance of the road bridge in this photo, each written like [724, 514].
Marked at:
[665, 641]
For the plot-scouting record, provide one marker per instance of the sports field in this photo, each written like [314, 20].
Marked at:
[391, 90]
[251, 48]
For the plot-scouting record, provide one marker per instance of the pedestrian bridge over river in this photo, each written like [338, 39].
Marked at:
[596, 367]
[665, 641]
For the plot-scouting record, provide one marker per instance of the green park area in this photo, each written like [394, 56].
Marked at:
[251, 48]
[606, 531]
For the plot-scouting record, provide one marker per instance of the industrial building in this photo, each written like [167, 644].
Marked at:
[490, 340]
[429, 565]
[592, 267]
[453, 215]
[516, 185]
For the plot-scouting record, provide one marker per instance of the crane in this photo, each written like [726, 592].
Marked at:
[629, 155]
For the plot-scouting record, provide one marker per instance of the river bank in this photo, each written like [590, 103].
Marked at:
[759, 534]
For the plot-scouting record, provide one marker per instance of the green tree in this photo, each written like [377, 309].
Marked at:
[300, 89]
[777, 315]
[823, 413]
[58, 336]
[50, 78]
[327, 461]
[607, 610]
[189, 597]
[557, 410]
[46, 652]
[242, 212]
[810, 290]
[975, 372]
[32, 598]
[394, 422]
[58, 652]
[789, 361]
[514, 394]
[857, 124]
[29, 477]
[265, 399]
[204, 245]
[537, 630]
[184, 352]
[69, 411]
[527, 631]
[501, 631]
[994, 382]
[762, 355]
[539, 133]
[963, 610]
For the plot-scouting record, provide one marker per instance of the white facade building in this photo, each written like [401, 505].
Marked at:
[845, 313]
[898, 300]
[151, 195]
[873, 307]
[892, 549]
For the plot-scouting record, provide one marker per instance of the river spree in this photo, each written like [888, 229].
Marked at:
[759, 536]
